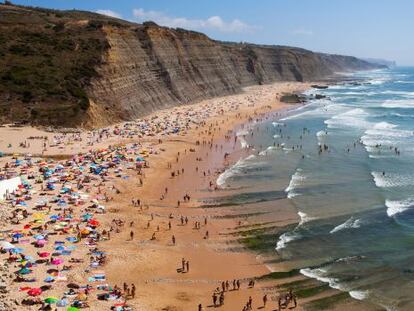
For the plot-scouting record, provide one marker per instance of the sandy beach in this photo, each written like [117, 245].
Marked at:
[152, 224]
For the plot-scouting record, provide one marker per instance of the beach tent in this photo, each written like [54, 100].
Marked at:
[8, 186]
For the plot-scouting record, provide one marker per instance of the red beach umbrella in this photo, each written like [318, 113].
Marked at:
[44, 254]
[34, 292]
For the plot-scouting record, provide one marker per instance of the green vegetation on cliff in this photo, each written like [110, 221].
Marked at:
[46, 61]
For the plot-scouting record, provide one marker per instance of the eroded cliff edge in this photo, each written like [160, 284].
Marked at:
[76, 68]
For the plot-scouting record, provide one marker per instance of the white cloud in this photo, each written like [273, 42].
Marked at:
[302, 32]
[211, 23]
[109, 13]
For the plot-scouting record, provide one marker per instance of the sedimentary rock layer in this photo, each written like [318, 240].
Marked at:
[130, 70]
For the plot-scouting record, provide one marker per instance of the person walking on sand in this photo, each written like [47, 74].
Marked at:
[183, 264]
[133, 289]
[264, 301]
[222, 298]
[187, 265]
[131, 235]
[173, 240]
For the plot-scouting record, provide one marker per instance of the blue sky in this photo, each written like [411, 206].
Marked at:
[364, 28]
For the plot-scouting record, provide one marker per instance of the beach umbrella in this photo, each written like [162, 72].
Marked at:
[44, 254]
[57, 261]
[62, 303]
[41, 243]
[49, 279]
[16, 250]
[39, 237]
[52, 271]
[39, 215]
[51, 300]
[17, 235]
[59, 248]
[72, 309]
[24, 271]
[6, 245]
[34, 292]
[93, 222]
[82, 297]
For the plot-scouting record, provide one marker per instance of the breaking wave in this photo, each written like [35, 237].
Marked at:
[397, 207]
[235, 169]
[351, 223]
[296, 180]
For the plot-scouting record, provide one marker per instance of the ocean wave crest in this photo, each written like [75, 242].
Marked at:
[296, 180]
[389, 180]
[285, 238]
[351, 223]
[235, 169]
[398, 207]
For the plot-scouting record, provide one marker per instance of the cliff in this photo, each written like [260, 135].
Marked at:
[72, 68]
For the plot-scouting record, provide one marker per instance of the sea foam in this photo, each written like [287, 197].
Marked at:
[390, 180]
[285, 238]
[296, 180]
[320, 275]
[359, 294]
[235, 169]
[397, 207]
[351, 223]
[398, 104]
[353, 118]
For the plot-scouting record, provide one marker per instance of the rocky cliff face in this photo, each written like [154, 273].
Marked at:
[131, 70]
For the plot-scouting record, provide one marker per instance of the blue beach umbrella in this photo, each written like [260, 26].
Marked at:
[17, 235]
[17, 250]
[49, 279]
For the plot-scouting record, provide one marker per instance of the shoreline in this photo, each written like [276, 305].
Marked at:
[150, 264]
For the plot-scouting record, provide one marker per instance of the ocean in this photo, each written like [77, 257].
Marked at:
[346, 163]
